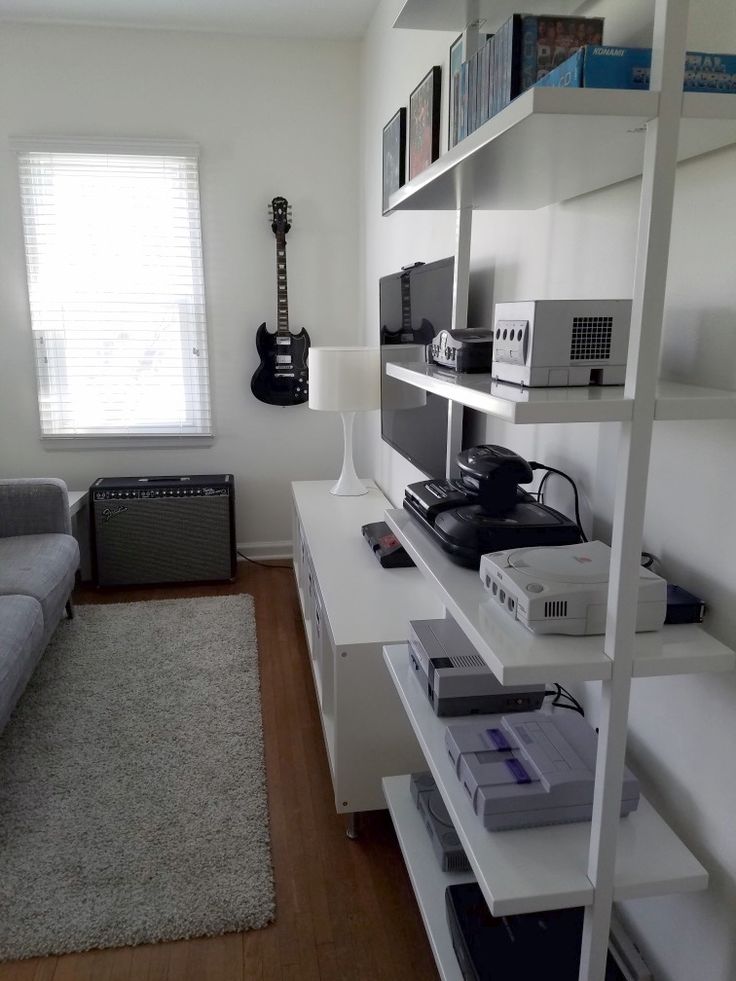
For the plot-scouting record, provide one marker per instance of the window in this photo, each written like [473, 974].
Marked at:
[116, 288]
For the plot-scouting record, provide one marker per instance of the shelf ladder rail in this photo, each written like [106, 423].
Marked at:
[650, 279]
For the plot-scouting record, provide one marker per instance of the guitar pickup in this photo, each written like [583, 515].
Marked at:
[283, 359]
[283, 341]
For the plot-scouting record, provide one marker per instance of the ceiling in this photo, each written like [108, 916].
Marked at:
[345, 19]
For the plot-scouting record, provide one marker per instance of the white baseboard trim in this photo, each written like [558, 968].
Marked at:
[265, 550]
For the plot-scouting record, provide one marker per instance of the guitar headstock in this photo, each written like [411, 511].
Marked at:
[279, 211]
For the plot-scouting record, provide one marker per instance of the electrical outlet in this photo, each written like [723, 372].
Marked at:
[511, 341]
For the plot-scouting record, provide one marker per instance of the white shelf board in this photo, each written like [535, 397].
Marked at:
[553, 144]
[543, 868]
[514, 654]
[677, 401]
[597, 403]
[454, 15]
[517, 656]
[375, 613]
[427, 878]
[514, 404]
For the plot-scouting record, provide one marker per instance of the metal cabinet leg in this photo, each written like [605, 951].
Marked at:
[352, 829]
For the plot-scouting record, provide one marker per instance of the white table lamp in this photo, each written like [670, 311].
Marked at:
[345, 380]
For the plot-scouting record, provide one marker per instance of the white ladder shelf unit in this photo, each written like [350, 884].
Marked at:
[592, 139]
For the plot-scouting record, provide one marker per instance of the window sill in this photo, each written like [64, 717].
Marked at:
[123, 442]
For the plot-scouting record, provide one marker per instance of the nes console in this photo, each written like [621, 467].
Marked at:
[564, 590]
[556, 343]
[530, 769]
[455, 677]
[445, 842]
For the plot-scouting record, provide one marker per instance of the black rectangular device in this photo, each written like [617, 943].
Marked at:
[464, 350]
[148, 530]
[415, 305]
[527, 945]
[385, 546]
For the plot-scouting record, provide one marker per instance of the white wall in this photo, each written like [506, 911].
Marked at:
[271, 117]
[683, 729]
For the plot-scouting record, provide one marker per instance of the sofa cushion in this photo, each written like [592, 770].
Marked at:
[42, 566]
[21, 644]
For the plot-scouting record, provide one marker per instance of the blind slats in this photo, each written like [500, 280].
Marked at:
[116, 289]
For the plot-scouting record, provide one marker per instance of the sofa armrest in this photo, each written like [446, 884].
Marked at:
[34, 506]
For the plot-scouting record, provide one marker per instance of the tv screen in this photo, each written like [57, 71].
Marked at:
[415, 305]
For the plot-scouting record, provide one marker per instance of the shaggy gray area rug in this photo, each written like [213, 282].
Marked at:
[133, 800]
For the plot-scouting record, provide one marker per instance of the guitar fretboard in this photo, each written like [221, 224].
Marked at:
[282, 299]
[405, 303]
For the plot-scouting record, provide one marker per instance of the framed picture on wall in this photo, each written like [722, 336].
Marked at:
[424, 122]
[394, 155]
[457, 50]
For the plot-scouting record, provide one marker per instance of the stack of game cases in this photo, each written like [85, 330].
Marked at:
[524, 50]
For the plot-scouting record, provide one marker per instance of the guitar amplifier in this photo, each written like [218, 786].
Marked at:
[162, 529]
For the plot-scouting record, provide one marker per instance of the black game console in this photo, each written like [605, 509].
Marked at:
[485, 510]
[526, 945]
[465, 349]
[386, 547]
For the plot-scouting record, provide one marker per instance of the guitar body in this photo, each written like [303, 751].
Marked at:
[281, 382]
[282, 377]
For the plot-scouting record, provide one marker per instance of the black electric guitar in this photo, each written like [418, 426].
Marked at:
[282, 376]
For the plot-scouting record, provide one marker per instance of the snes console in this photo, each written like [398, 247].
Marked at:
[530, 769]
[455, 677]
[564, 589]
[556, 343]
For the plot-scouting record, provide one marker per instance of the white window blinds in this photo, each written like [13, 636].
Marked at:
[116, 288]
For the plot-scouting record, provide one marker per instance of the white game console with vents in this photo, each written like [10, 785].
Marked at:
[550, 343]
[564, 589]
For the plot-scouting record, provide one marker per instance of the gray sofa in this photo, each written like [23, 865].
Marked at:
[38, 562]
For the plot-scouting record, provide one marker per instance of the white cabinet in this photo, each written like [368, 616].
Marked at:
[550, 145]
[351, 608]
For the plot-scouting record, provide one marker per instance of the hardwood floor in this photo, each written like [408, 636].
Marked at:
[345, 910]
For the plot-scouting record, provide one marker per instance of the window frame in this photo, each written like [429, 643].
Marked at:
[116, 146]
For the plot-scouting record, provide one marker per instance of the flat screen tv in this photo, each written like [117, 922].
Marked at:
[415, 305]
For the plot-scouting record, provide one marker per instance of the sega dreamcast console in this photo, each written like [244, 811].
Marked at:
[530, 769]
[455, 677]
[445, 842]
[564, 589]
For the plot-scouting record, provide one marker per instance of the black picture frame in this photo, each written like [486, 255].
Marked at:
[394, 156]
[455, 60]
[424, 122]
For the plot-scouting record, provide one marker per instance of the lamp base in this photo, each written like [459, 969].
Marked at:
[348, 484]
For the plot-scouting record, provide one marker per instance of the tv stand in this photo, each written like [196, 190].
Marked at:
[351, 608]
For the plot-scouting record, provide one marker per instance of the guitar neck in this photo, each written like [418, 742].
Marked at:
[405, 303]
[282, 298]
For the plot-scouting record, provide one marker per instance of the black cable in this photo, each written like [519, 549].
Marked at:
[568, 478]
[648, 559]
[265, 565]
[561, 692]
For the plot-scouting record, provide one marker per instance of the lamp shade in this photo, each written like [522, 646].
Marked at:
[344, 379]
